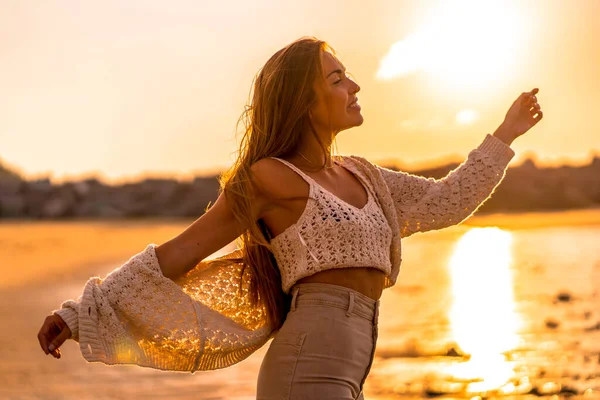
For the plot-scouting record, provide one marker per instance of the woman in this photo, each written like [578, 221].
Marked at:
[320, 240]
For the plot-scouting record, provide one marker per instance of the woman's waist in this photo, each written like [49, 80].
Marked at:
[368, 281]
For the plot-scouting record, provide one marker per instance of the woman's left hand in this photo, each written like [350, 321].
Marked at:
[524, 113]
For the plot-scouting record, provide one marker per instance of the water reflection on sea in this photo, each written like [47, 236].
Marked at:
[483, 311]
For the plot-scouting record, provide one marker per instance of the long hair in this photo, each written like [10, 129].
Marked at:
[275, 121]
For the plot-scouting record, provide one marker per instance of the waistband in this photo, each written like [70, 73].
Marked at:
[329, 294]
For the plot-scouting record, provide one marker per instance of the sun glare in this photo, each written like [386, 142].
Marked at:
[466, 117]
[483, 319]
[463, 45]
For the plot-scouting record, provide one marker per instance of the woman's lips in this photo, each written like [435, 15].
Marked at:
[354, 106]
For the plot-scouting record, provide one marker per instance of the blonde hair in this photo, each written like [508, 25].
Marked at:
[275, 121]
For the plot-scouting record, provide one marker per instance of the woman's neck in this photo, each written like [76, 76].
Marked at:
[311, 154]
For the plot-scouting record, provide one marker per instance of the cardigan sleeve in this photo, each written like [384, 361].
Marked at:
[424, 204]
[135, 315]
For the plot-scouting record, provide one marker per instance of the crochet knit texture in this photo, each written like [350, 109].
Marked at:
[204, 320]
[331, 233]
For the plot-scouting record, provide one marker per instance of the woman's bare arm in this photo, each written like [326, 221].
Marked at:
[212, 231]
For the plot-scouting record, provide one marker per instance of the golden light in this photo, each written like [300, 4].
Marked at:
[466, 117]
[483, 319]
[461, 45]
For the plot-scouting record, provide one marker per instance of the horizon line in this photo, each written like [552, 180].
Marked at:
[410, 167]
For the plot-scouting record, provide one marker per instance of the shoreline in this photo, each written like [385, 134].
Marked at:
[40, 252]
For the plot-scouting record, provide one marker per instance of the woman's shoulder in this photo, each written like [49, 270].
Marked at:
[269, 173]
[276, 179]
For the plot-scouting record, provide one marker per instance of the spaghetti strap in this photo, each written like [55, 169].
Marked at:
[307, 178]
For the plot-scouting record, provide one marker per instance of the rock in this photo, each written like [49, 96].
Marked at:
[162, 195]
[520, 387]
[441, 388]
[97, 209]
[564, 297]
[40, 185]
[528, 164]
[10, 185]
[192, 198]
[593, 328]
[454, 352]
[35, 195]
[12, 206]
[110, 212]
[61, 203]
[82, 189]
[569, 391]
[552, 323]
[547, 389]
[577, 198]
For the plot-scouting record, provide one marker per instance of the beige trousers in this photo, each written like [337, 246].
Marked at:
[324, 350]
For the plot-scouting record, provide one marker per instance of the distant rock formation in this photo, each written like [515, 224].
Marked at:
[524, 188]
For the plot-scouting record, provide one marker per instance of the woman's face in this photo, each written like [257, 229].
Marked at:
[336, 100]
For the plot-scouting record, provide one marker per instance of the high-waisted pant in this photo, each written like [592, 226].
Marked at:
[325, 348]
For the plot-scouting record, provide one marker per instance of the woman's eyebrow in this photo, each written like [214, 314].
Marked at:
[339, 71]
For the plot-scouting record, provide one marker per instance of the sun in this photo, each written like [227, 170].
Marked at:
[461, 45]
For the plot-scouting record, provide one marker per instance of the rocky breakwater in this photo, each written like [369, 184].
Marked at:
[40, 199]
[525, 188]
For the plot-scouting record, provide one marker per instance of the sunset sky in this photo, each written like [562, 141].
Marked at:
[118, 89]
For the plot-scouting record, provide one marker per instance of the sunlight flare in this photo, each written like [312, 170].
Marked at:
[483, 319]
[467, 117]
[462, 44]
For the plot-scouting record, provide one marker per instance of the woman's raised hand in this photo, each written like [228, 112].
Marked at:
[524, 113]
[53, 334]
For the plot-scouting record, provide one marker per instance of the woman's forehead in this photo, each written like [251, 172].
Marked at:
[331, 63]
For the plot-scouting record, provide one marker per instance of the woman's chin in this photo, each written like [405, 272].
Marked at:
[355, 116]
[352, 121]
[359, 120]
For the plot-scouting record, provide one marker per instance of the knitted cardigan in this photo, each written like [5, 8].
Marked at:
[204, 320]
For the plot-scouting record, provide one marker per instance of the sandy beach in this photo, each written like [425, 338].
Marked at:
[45, 263]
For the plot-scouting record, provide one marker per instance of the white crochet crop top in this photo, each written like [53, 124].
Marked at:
[331, 233]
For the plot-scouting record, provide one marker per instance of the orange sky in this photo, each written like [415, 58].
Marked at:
[118, 89]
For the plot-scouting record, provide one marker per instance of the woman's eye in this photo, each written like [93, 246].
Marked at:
[337, 81]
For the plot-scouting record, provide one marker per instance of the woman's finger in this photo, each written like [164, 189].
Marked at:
[534, 111]
[530, 100]
[536, 106]
[43, 342]
[59, 340]
[44, 335]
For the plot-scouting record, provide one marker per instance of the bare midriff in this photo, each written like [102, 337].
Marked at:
[365, 280]
[287, 210]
